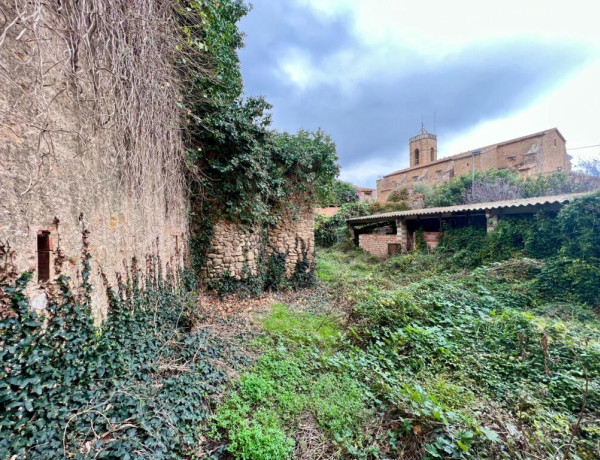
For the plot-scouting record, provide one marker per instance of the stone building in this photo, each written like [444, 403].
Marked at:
[365, 193]
[539, 153]
[63, 174]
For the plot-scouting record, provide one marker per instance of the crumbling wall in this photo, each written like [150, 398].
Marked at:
[294, 236]
[62, 171]
[242, 250]
[235, 250]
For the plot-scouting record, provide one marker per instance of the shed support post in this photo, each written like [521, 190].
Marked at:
[402, 234]
[491, 217]
[353, 234]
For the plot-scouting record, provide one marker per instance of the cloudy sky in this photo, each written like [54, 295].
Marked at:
[368, 71]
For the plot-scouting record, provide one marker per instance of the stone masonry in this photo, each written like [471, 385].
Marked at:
[237, 248]
[539, 153]
[233, 246]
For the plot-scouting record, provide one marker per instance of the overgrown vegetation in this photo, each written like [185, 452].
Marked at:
[332, 230]
[439, 355]
[140, 386]
[338, 194]
[496, 185]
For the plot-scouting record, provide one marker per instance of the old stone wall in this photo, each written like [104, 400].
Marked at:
[61, 173]
[238, 249]
[235, 249]
[376, 244]
[293, 235]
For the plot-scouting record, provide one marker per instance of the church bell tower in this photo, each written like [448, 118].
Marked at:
[422, 148]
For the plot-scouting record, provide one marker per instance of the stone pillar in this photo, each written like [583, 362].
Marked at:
[353, 234]
[402, 234]
[491, 216]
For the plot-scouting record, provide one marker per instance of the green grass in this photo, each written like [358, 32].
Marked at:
[432, 365]
[286, 382]
[291, 324]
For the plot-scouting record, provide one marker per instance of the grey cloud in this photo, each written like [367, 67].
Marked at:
[378, 116]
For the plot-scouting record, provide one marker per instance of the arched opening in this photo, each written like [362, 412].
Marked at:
[417, 156]
[432, 154]
[44, 248]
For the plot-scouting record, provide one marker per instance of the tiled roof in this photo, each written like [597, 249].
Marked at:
[521, 202]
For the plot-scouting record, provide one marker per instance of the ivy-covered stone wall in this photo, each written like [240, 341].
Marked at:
[294, 236]
[241, 251]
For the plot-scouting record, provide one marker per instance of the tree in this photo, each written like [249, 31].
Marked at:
[590, 167]
[339, 194]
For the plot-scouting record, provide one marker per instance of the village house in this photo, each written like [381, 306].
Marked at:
[539, 153]
[365, 193]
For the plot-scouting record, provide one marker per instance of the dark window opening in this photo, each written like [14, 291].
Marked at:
[432, 154]
[554, 142]
[44, 248]
[417, 156]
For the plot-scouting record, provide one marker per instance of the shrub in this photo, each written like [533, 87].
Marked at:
[399, 195]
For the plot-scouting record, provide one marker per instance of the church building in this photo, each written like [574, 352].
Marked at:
[539, 153]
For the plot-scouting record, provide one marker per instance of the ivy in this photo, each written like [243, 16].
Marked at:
[239, 169]
[139, 386]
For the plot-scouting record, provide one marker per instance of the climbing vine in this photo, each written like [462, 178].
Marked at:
[140, 386]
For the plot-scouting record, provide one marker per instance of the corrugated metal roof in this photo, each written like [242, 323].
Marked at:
[521, 202]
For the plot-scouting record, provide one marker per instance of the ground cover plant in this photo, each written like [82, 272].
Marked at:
[140, 386]
[439, 355]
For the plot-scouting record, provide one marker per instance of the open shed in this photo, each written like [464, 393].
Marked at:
[392, 232]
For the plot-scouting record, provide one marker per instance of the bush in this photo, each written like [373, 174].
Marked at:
[399, 195]
[495, 185]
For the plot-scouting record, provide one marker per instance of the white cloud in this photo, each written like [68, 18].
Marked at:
[573, 108]
[439, 27]
[396, 35]
[362, 173]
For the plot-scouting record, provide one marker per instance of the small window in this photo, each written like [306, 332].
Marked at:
[44, 248]
[432, 154]
[554, 142]
[417, 156]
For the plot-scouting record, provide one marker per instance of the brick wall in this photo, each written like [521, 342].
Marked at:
[376, 244]
[432, 239]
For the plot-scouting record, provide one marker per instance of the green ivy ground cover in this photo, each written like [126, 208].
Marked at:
[476, 364]
[141, 386]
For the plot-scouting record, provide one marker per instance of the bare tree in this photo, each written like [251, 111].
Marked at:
[484, 191]
[590, 167]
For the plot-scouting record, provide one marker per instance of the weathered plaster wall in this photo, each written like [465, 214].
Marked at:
[54, 167]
